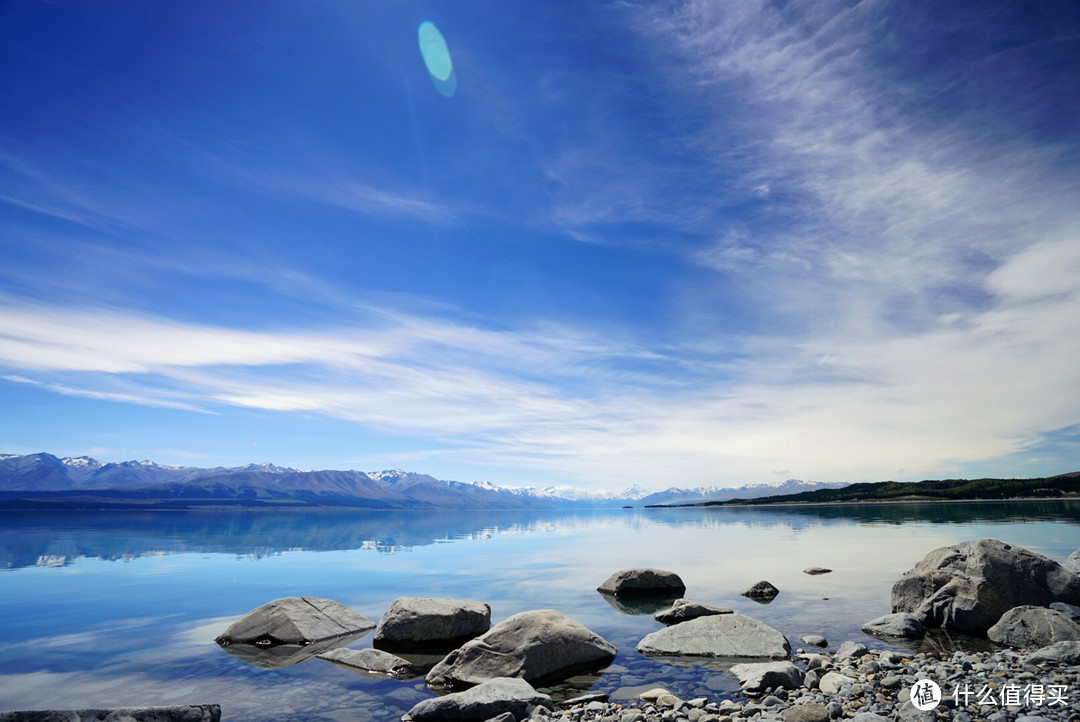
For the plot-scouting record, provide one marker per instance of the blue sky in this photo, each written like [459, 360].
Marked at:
[655, 243]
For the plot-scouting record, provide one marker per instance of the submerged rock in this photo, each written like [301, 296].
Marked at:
[372, 662]
[536, 645]
[1034, 627]
[719, 635]
[900, 624]
[643, 582]
[487, 700]
[412, 623]
[291, 630]
[967, 587]
[762, 591]
[684, 610]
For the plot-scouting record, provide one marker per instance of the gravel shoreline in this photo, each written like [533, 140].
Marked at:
[1002, 686]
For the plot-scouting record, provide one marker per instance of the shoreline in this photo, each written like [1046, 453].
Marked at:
[868, 685]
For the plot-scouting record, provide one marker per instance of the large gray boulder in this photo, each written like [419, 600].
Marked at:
[683, 610]
[1058, 653]
[177, 713]
[295, 620]
[1034, 627]
[420, 623]
[967, 587]
[292, 630]
[485, 701]
[720, 635]
[755, 678]
[1073, 562]
[536, 646]
[643, 582]
[900, 624]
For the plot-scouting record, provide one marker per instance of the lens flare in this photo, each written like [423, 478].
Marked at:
[434, 51]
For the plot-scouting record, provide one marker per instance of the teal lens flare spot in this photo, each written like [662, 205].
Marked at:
[434, 51]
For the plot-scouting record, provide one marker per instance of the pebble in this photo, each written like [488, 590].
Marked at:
[879, 689]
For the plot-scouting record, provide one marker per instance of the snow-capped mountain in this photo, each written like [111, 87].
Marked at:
[44, 476]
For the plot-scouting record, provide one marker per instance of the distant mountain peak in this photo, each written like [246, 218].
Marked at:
[391, 488]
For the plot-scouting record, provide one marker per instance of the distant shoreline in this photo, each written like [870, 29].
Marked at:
[851, 502]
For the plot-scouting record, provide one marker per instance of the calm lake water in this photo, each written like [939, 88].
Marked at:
[121, 609]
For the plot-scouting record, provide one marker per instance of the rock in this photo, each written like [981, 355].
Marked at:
[484, 701]
[967, 587]
[900, 624]
[504, 717]
[806, 712]
[584, 699]
[1072, 564]
[643, 583]
[1035, 627]
[535, 645]
[850, 650]
[756, 678]
[1070, 609]
[833, 681]
[1057, 653]
[412, 623]
[295, 620]
[178, 713]
[291, 630]
[761, 590]
[373, 661]
[720, 635]
[815, 640]
[817, 570]
[684, 610]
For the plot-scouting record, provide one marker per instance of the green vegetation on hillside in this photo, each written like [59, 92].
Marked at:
[1065, 485]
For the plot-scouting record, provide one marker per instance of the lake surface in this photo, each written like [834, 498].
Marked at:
[121, 609]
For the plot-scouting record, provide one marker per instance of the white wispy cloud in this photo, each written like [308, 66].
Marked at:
[842, 407]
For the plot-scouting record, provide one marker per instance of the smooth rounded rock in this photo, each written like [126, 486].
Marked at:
[418, 623]
[722, 635]
[806, 712]
[482, 702]
[536, 645]
[1033, 627]
[684, 610]
[756, 678]
[375, 662]
[833, 682]
[643, 582]
[1067, 652]
[900, 624]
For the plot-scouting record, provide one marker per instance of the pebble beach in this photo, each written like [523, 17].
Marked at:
[868, 686]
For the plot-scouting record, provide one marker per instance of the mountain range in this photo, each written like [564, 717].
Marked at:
[43, 481]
